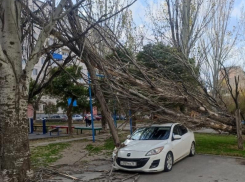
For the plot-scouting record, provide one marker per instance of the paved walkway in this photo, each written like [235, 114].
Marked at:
[200, 168]
[60, 140]
[39, 135]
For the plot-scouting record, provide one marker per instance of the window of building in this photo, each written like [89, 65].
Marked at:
[42, 60]
[50, 41]
[65, 53]
[40, 108]
[34, 72]
[23, 61]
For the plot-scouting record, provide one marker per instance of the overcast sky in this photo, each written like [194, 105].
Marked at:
[138, 9]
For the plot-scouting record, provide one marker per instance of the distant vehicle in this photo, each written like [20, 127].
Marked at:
[57, 118]
[77, 117]
[120, 117]
[155, 148]
[98, 117]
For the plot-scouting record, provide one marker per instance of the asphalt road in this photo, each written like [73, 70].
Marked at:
[201, 168]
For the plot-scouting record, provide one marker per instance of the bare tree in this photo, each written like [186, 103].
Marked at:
[217, 43]
[16, 25]
[234, 94]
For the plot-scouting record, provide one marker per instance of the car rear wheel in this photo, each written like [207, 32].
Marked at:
[168, 162]
[192, 150]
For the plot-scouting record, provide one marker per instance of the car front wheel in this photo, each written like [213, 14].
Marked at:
[168, 162]
[192, 150]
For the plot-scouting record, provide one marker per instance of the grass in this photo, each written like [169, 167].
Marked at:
[218, 145]
[107, 147]
[44, 155]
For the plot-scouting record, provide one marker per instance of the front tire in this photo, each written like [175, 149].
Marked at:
[192, 150]
[168, 162]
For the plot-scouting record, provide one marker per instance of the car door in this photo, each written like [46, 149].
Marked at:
[185, 137]
[177, 145]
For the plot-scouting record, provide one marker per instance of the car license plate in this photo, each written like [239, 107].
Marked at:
[125, 163]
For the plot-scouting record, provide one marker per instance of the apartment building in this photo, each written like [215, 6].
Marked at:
[60, 55]
[233, 71]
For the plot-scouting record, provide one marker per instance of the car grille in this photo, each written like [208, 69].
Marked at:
[140, 162]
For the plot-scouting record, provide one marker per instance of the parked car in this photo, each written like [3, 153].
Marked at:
[77, 117]
[120, 117]
[57, 118]
[98, 117]
[155, 148]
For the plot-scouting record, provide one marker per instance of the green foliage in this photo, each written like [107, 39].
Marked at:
[122, 55]
[44, 155]
[50, 108]
[64, 87]
[167, 59]
[218, 145]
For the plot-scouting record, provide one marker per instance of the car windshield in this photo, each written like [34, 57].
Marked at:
[151, 133]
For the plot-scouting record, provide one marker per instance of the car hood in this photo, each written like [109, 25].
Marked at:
[142, 145]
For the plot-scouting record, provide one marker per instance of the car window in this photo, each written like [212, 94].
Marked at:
[183, 129]
[151, 133]
[177, 130]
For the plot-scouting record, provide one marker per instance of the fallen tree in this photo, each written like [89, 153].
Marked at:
[147, 90]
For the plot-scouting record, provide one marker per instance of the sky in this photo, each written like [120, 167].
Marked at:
[138, 9]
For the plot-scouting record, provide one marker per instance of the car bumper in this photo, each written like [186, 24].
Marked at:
[147, 167]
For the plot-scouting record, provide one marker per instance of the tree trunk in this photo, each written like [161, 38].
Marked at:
[69, 116]
[103, 121]
[14, 143]
[133, 122]
[239, 129]
[14, 146]
[99, 95]
[35, 111]
[83, 115]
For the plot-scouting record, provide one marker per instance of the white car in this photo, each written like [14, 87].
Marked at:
[77, 117]
[155, 148]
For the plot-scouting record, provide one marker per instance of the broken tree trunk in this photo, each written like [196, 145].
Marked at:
[69, 116]
[239, 129]
[103, 121]
[100, 96]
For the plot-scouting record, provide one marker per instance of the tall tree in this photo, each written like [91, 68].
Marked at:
[64, 88]
[15, 21]
[217, 43]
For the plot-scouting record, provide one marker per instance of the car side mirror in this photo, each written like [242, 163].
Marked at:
[176, 137]
[129, 136]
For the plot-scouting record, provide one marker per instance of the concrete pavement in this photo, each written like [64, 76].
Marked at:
[202, 168]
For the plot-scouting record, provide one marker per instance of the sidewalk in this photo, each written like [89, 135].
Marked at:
[60, 140]
[40, 135]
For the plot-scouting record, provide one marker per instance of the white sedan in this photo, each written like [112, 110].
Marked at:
[155, 148]
[77, 117]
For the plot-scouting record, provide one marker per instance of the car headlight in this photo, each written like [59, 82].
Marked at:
[154, 151]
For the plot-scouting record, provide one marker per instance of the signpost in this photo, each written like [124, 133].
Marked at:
[91, 104]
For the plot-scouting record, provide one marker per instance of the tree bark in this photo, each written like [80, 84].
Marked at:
[239, 129]
[134, 122]
[99, 95]
[14, 143]
[103, 121]
[69, 116]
